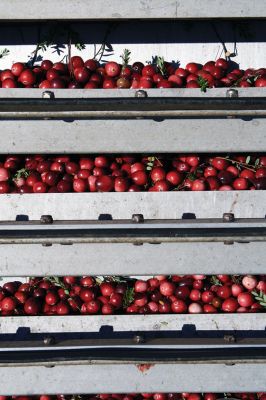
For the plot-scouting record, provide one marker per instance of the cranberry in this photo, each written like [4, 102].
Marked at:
[116, 300]
[220, 163]
[195, 308]
[17, 68]
[107, 288]
[224, 292]
[112, 69]
[9, 84]
[198, 185]
[249, 282]
[240, 184]
[167, 288]
[81, 74]
[62, 308]
[179, 306]
[230, 305]
[76, 62]
[27, 77]
[51, 298]
[32, 306]
[245, 299]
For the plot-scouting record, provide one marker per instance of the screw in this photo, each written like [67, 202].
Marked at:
[49, 340]
[138, 339]
[229, 338]
[48, 95]
[141, 93]
[137, 218]
[232, 93]
[46, 219]
[228, 217]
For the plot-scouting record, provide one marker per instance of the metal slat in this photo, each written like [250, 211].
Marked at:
[119, 231]
[161, 205]
[127, 259]
[111, 103]
[136, 323]
[98, 378]
[123, 247]
[134, 135]
[117, 348]
[140, 9]
[181, 93]
[153, 354]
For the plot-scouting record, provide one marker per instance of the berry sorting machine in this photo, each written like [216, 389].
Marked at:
[180, 232]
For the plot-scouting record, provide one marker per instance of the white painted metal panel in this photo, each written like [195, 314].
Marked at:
[122, 323]
[133, 378]
[127, 259]
[115, 9]
[161, 205]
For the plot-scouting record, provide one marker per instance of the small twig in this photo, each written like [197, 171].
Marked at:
[3, 53]
[103, 45]
[220, 39]
[247, 166]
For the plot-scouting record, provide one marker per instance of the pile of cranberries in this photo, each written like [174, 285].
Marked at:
[162, 294]
[92, 75]
[131, 173]
[143, 396]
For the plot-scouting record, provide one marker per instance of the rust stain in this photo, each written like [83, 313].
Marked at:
[234, 203]
[144, 367]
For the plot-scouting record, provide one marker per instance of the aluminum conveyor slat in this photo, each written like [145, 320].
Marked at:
[115, 10]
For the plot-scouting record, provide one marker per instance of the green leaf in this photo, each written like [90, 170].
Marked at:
[80, 46]
[192, 177]
[98, 281]
[125, 57]
[22, 173]
[257, 162]
[160, 63]
[128, 297]
[204, 84]
[248, 159]
[215, 280]
[260, 297]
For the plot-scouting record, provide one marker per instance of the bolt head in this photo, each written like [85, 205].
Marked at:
[141, 93]
[138, 339]
[232, 93]
[46, 219]
[137, 218]
[48, 95]
[228, 217]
